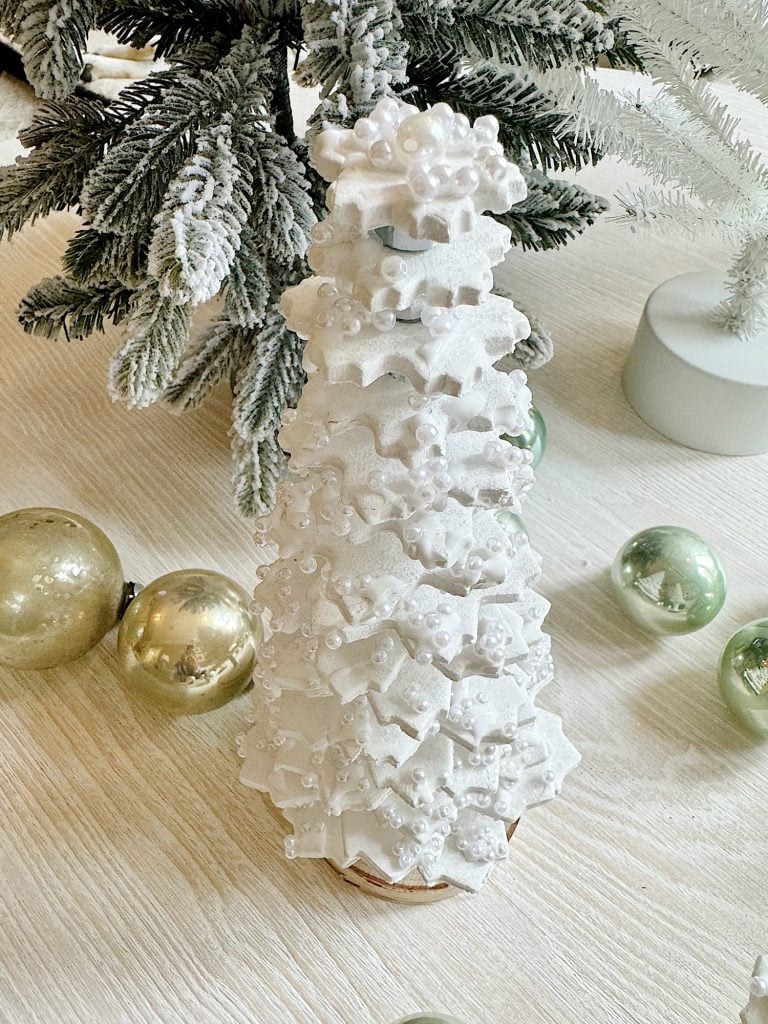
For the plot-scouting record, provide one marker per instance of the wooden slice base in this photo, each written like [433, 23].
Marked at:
[411, 890]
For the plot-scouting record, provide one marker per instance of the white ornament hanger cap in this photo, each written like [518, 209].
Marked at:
[429, 173]
[756, 1012]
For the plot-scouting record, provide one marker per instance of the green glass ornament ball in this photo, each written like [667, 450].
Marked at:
[743, 675]
[512, 522]
[669, 580]
[187, 642]
[535, 439]
[61, 587]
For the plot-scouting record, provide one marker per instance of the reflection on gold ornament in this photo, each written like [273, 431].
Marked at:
[61, 587]
[186, 642]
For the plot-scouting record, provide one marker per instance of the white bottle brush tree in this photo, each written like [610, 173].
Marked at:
[194, 183]
[708, 178]
[395, 716]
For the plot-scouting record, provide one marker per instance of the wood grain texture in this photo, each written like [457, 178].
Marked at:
[142, 883]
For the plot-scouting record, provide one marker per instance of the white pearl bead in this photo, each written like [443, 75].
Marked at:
[394, 268]
[441, 326]
[334, 640]
[366, 130]
[386, 110]
[487, 124]
[351, 325]
[443, 113]
[421, 136]
[496, 168]
[424, 186]
[759, 987]
[426, 433]
[483, 134]
[465, 181]
[322, 232]
[384, 320]
[381, 154]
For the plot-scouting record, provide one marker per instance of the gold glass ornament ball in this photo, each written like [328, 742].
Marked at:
[187, 642]
[61, 587]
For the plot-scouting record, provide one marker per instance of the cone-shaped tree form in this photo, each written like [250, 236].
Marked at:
[395, 718]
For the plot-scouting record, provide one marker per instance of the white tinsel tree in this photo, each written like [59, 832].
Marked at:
[708, 178]
[395, 716]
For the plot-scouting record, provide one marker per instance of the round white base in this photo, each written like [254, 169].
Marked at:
[693, 381]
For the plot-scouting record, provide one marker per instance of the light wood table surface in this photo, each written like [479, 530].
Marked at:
[140, 882]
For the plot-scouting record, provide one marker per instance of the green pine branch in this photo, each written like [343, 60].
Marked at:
[354, 48]
[174, 28]
[59, 306]
[213, 358]
[68, 139]
[158, 333]
[93, 257]
[248, 285]
[52, 37]
[270, 379]
[552, 213]
[544, 33]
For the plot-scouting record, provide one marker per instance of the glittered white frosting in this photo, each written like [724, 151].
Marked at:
[395, 720]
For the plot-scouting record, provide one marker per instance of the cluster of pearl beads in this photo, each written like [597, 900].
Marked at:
[440, 321]
[431, 632]
[461, 712]
[444, 154]
[481, 843]
[473, 569]
[491, 642]
[425, 487]
[506, 456]
[348, 316]
[413, 854]
[540, 665]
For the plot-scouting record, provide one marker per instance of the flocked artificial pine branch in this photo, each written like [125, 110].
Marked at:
[193, 183]
[706, 175]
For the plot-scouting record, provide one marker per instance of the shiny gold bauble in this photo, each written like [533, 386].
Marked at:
[186, 643]
[61, 587]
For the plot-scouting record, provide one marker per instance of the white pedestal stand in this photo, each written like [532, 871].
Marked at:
[693, 381]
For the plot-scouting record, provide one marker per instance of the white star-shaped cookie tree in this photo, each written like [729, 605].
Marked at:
[756, 1011]
[395, 720]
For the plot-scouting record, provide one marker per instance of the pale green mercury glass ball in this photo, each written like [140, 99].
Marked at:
[187, 642]
[61, 587]
[744, 675]
[429, 1018]
[512, 522]
[535, 440]
[669, 580]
